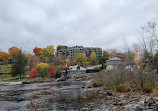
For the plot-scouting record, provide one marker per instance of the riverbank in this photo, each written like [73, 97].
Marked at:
[114, 100]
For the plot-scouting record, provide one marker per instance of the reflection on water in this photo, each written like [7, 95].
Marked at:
[56, 96]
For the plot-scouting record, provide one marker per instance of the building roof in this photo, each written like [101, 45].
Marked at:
[114, 59]
[89, 68]
[74, 68]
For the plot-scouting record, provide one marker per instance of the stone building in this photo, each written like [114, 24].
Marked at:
[115, 63]
[71, 51]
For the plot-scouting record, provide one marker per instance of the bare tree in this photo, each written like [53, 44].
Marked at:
[148, 43]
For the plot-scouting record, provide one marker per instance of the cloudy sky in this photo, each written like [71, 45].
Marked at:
[100, 23]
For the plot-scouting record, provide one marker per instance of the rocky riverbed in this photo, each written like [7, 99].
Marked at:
[57, 96]
[73, 94]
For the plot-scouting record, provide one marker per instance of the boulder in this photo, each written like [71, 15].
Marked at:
[109, 93]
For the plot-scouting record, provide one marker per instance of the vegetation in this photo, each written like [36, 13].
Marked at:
[14, 51]
[18, 67]
[48, 51]
[61, 47]
[80, 59]
[37, 51]
[6, 68]
[5, 76]
[43, 69]
[33, 72]
[58, 73]
[52, 71]
[143, 58]
[93, 58]
[143, 76]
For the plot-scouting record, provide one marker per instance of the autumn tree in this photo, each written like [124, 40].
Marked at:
[93, 58]
[48, 51]
[32, 61]
[59, 60]
[18, 67]
[4, 56]
[67, 61]
[37, 51]
[14, 51]
[80, 59]
[52, 71]
[43, 69]
[33, 72]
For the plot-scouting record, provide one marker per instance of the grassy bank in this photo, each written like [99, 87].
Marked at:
[4, 76]
[5, 68]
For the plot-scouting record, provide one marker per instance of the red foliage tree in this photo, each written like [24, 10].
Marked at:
[33, 72]
[52, 71]
[37, 51]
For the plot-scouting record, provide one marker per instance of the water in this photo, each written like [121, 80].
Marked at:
[56, 96]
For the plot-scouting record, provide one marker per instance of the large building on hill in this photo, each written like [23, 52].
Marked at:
[71, 51]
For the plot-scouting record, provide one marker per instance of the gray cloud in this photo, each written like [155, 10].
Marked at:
[100, 23]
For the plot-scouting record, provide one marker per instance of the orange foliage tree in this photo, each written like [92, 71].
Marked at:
[37, 51]
[4, 56]
[14, 51]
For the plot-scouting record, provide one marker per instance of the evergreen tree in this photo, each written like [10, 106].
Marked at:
[19, 64]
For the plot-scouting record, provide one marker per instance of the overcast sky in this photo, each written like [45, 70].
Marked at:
[98, 23]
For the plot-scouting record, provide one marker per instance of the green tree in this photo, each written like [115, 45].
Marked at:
[105, 54]
[62, 47]
[104, 58]
[18, 67]
[58, 73]
[93, 59]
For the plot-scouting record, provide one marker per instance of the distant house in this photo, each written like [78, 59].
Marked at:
[77, 69]
[115, 63]
[90, 70]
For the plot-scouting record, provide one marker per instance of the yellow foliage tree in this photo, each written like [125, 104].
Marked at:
[80, 59]
[48, 51]
[93, 58]
[67, 61]
[43, 69]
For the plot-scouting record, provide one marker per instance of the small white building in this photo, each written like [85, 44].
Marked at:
[115, 63]
[77, 69]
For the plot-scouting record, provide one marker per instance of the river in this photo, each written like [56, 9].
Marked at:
[53, 96]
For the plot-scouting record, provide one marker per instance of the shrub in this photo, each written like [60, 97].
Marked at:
[155, 90]
[122, 87]
[52, 71]
[58, 73]
[145, 82]
[97, 83]
[99, 79]
[33, 72]
[43, 69]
